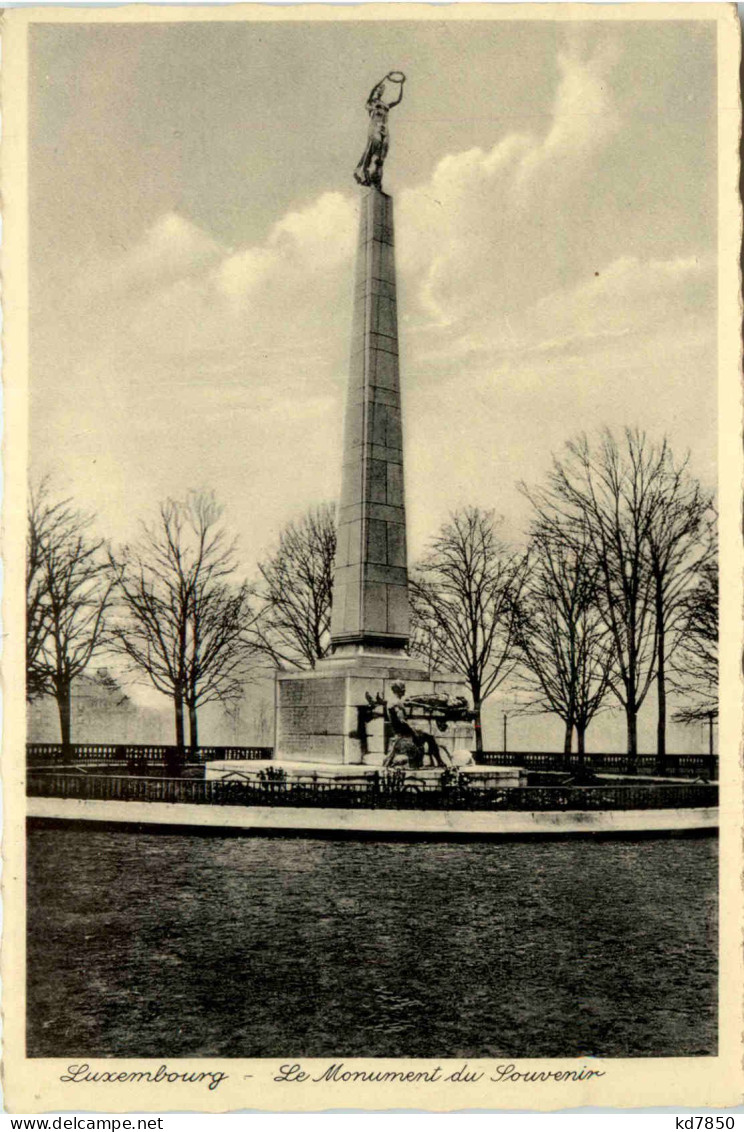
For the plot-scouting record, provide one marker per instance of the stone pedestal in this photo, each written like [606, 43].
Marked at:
[317, 718]
[303, 772]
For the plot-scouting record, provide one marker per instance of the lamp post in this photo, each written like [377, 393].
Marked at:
[505, 718]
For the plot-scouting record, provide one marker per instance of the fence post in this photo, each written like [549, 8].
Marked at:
[175, 757]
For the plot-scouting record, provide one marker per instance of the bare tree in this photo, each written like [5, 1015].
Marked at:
[45, 518]
[293, 629]
[695, 664]
[613, 496]
[428, 636]
[184, 623]
[677, 552]
[220, 657]
[644, 514]
[465, 596]
[68, 592]
[566, 649]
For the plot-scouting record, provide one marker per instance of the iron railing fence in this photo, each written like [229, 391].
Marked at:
[672, 766]
[378, 791]
[53, 754]
[666, 766]
[231, 754]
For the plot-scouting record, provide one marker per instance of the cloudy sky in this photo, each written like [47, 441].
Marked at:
[193, 220]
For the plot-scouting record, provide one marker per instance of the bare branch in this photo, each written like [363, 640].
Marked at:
[68, 593]
[183, 621]
[565, 647]
[293, 628]
[643, 515]
[465, 600]
[695, 664]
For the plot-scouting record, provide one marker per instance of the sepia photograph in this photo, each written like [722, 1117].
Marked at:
[369, 386]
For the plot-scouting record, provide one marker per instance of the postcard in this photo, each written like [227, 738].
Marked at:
[373, 481]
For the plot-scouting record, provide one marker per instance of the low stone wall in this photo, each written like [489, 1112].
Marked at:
[99, 754]
[309, 774]
[424, 823]
[666, 766]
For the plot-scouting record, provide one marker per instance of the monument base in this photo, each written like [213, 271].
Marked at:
[491, 777]
[317, 713]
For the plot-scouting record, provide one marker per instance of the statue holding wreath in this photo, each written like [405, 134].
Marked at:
[382, 98]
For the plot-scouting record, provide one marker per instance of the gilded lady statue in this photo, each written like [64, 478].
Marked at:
[382, 99]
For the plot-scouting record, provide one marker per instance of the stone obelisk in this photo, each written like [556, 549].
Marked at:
[370, 591]
[320, 715]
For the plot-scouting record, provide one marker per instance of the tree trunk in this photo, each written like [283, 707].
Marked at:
[193, 729]
[477, 725]
[63, 697]
[178, 704]
[580, 734]
[660, 680]
[631, 718]
[567, 744]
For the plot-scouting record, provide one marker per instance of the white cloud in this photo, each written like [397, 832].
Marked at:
[628, 298]
[179, 295]
[519, 316]
[630, 301]
[487, 258]
[173, 248]
[584, 114]
[303, 246]
[484, 235]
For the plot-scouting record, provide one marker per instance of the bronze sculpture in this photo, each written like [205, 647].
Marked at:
[411, 746]
[379, 104]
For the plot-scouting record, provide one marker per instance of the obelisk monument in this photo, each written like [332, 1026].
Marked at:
[318, 712]
[370, 589]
